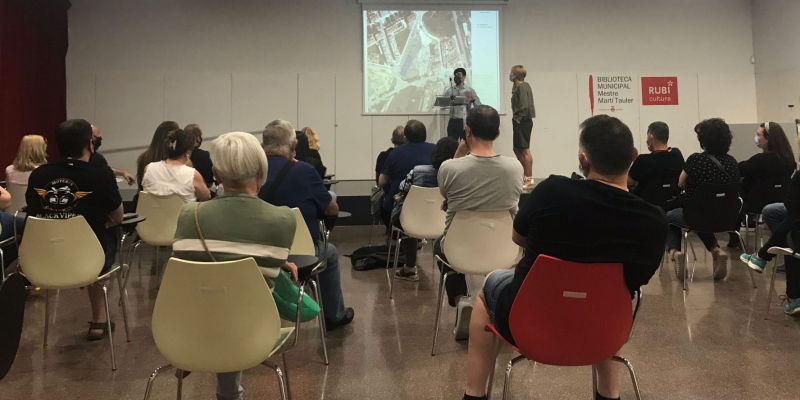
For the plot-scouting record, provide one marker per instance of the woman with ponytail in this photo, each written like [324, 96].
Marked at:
[174, 175]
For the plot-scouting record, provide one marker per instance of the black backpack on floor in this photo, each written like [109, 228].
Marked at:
[371, 257]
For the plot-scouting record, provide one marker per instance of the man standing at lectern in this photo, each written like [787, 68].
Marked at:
[458, 88]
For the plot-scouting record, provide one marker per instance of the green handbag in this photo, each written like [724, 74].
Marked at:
[285, 293]
[284, 290]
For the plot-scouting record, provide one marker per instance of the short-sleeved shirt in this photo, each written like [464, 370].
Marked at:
[237, 226]
[480, 184]
[16, 176]
[163, 179]
[764, 166]
[701, 169]
[70, 187]
[460, 111]
[590, 222]
[399, 162]
[656, 165]
[98, 160]
[302, 187]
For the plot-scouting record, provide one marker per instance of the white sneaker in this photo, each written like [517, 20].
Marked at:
[463, 313]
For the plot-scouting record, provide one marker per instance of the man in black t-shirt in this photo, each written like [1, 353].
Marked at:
[591, 221]
[71, 187]
[98, 159]
[663, 162]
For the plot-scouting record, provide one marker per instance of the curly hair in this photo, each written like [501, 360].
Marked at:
[714, 136]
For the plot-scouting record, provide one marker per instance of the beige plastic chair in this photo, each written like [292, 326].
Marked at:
[65, 254]
[161, 219]
[216, 317]
[18, 201]
[477, 243]
[303, 245]
[421, 218]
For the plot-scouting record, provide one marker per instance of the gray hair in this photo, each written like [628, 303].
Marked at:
[237, 158]
[277, 137]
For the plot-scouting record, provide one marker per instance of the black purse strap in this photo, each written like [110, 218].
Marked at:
[269, 197]
[718, 164]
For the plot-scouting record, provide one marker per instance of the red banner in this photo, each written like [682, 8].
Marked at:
[659, 90]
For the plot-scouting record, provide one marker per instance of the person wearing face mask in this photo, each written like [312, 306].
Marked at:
[775, 161]
[662, 162]
[524, 112]
[458, 88]
[98, 159]
[73, 186]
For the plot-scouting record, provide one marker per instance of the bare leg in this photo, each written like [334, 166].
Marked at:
[608, 374]
[526, 159]
[95, 291]
[481, 351]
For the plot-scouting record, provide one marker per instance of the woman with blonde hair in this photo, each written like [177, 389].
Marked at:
[308, 150]
[31, 154]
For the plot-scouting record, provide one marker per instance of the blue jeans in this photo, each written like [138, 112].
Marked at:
[774, 214]
[330, 283]
[674, 236]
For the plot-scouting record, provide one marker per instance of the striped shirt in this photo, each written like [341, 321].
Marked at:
[237, 226]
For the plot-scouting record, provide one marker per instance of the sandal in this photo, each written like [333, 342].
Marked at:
[98, 330]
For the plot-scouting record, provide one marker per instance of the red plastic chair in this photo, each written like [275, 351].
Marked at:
[571, 314]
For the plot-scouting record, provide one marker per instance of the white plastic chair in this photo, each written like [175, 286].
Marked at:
[65, 254]
[421, 218]
[161, 219]
[17, 193]
[216, 317]
[476, 243]
[303, 245]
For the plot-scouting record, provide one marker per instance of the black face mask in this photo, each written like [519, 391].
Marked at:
[97, 142]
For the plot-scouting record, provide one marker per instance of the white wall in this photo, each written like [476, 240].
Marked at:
[776, 28]
[236, 65]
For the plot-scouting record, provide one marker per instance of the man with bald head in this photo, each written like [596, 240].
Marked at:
[98, 159]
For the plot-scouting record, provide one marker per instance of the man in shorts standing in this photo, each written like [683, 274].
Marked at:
[524, 112]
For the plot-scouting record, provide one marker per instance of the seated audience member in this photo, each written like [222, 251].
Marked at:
[401, 160]
[201, 160]
[6, 219]
[308, 150]
[296, 184]
[663, 162]
[100, 205]
[424, 176]
[237, 222]
[99, 159]
[479, 181]
[173, 175]
[713, 165]
[302, 152]
[32, 153]
[398, 139]
[787, 234]
[156, 151]
[594, 220]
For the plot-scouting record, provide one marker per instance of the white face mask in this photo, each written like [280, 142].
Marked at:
[755, 139]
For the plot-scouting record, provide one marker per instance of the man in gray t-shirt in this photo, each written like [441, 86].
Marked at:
[479, 181]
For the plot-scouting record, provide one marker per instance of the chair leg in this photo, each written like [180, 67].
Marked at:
[152, 379]
[286, 376]
[123, 298]
[281, 379]
[180, 385]
[509, 367]
[686, 261]
[772, 285]
[321, 318]
[749, 271]
[108, 326]
[394, 265]
[635, 383]
[2, 266]
[46, 316]
[321, 308]
[439, 306]
[594, 380]
[299, 309]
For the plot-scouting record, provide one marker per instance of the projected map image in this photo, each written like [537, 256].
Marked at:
[410, 55]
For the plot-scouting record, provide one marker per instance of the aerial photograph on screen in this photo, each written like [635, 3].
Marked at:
[409, 56]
